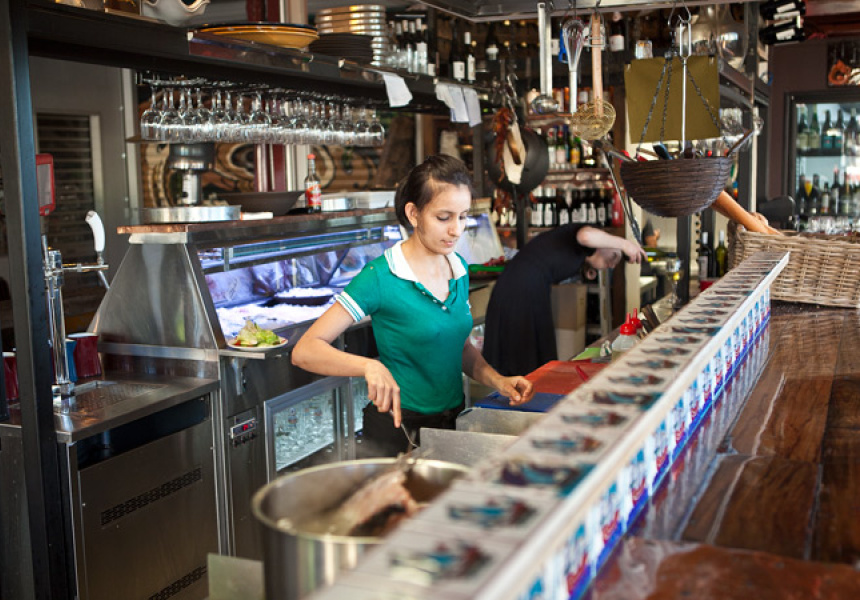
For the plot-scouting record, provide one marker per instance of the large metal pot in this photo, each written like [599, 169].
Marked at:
[297, 562]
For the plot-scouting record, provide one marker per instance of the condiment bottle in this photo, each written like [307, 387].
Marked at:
[626, 339]
[313, 194]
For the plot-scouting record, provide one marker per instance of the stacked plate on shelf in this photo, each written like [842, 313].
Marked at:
[359, 19]
[283, 35]
[346, 45]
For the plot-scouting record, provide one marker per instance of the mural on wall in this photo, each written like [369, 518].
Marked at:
[843, 63]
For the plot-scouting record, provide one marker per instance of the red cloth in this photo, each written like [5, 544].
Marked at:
[561, 377]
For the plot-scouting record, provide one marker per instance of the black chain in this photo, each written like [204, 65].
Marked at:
[708, 106]
[670, 58]
[653, 104]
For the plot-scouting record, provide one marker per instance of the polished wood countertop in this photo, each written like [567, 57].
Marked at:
[765, 501]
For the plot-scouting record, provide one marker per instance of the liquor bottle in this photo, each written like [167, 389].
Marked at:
[563, 207]
[313, 194]
[591, 219]
[838, 134]
[575, 151]
[802, 142]
[471, 71]
[537, 208]
[616, 33]
[706, 258]
[781, 9]
[411, 45]
[814, 199]
[802, 198]
[783, 32]
[433, 58]
[422, 60]
[458, 57]
[400, 60]
[721, 254]
[825, 200]
[562, 148]
[550, 146]
[826, 138]
[601, 209]
[814, 135]
[549, 207]
[491, 50]
[849, 141]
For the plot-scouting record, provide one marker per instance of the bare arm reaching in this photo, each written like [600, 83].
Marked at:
[597, 238]
[315, 353]
[517, 388]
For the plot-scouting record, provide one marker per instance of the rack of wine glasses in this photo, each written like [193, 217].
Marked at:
[193, 110]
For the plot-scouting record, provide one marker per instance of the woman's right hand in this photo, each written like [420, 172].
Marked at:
[382, 389]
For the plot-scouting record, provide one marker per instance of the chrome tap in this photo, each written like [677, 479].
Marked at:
[54, 271]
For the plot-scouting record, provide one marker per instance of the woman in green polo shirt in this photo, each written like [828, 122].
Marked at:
[417, 295]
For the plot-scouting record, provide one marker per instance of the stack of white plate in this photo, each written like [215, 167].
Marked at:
[360, 19]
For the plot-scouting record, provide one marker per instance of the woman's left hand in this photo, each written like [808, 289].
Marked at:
[517, 388]
[633, 252]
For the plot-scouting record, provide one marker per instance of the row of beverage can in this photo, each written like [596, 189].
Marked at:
[540, 519]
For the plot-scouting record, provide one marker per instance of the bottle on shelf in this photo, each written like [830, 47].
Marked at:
[826, 137]
[774, 10]
[591, 219]
[536, 219]
[721, 255]
[550, 146]
[849, 141]
[802, 141]
[575, 151]
[601, 209]
[562, 148]
[616, 33]
[837, 134]
[491, 51]
[313, 193]
[471, 66]
[814, 134]
[564, 201]
[815, 196]
[457, 59]
[706, 257]
[783, 32]
[548, 206]
[825, 200]
[802, 198]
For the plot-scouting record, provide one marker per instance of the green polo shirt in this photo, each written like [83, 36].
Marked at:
[420, 338]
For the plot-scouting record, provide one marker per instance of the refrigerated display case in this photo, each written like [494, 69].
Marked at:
[823, 159]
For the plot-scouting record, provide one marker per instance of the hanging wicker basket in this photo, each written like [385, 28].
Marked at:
[676, 188]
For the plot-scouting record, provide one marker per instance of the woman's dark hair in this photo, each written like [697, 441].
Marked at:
[425, 180]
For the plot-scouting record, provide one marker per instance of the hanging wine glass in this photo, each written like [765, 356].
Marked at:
[171, 121]
[301, 124]
[258, 122]
[362, 137]
[190, 128]
[375, 132]
[150, 119]
[329, 130]
[346, 126]
[205, 116]
[219, 118]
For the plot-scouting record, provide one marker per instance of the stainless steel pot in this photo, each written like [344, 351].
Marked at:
[297, 562]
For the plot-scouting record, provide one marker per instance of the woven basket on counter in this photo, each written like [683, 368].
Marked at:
[822, 269]
[676, 188]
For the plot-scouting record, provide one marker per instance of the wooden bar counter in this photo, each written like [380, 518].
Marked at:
[765, 502]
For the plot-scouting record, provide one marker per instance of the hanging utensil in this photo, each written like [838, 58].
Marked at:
[594, 119]
[544, 104]
[573, 37]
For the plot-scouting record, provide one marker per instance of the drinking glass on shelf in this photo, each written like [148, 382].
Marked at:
[150, 119]
[171, 122]
[376, 132]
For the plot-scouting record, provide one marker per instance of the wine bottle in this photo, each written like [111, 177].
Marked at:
[814, 135]
[802, 141]
[781, 9]
[826, 137]
[616, 33]
[849, 139]
[721, 254]
[457, 58]
[471, 71]
[783, 32]
[313, 194]
[802, 198]
[706, 257]
[421, 55]
[837, 133]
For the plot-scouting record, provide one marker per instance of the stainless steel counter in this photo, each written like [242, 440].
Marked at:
[117, 399]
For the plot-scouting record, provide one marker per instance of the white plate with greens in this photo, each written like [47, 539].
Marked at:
[235, 345]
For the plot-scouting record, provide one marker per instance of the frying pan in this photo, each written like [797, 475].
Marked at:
[535, 165]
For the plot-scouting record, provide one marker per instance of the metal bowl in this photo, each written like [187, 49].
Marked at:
[296, 561]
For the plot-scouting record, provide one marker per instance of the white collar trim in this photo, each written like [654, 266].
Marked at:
[400, 266]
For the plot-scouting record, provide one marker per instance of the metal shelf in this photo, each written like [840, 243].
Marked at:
[70, 33]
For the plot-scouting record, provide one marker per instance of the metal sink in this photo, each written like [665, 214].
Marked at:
[488, 420]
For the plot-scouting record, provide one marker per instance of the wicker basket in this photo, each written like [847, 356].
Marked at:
[676, 188]
[822, 269]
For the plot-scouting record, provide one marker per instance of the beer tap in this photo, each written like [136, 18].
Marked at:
[54, 271]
